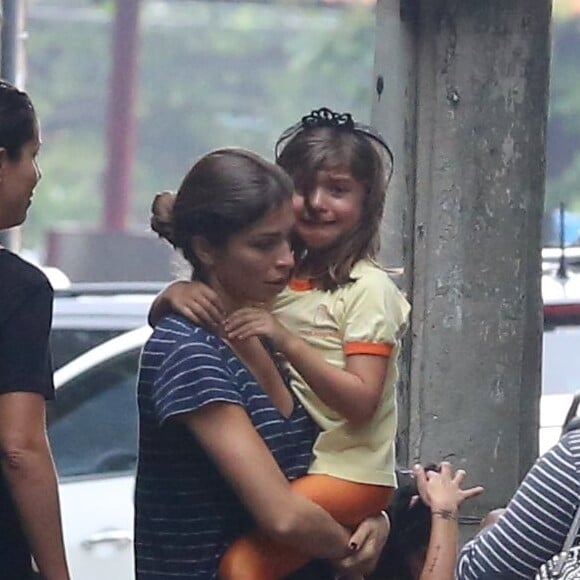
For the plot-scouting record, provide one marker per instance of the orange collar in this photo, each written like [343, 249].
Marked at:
[301, 284]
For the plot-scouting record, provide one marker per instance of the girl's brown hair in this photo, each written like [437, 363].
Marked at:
[313, 149]
[226, 191]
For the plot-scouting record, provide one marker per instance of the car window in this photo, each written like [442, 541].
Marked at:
[68, 343]
[92, 424]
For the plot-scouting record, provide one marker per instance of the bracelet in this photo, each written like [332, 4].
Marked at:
[445, 514]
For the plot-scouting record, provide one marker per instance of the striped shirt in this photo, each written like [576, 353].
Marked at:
[186, 514]
[536, 522]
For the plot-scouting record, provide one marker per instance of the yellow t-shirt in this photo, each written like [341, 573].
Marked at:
[366, 316]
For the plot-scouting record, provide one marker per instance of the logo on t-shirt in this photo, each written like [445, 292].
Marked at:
[321, 316]
[323, 325]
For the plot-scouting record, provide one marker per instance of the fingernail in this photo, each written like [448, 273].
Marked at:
[353, 546]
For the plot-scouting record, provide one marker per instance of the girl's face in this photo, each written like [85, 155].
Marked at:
[330, 210]
[255, 264]
[18, 178]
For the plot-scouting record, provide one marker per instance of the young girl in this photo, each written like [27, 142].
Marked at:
[338, 324]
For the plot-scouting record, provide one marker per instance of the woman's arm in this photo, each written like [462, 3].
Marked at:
[29, 471]
[367, 543]
[228, 436]
[442, 492]
[535, 523]
[354, 392]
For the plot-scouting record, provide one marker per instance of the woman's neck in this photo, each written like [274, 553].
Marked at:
[229, 302]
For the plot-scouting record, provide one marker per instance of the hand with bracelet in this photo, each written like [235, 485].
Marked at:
[442, 492]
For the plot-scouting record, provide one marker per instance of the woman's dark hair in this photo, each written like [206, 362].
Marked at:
[17, 119]
[409, 536]
[226, 191]
[313, 149]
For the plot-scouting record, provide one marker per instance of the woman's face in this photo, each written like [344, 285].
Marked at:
[18, 178]
[255, 264]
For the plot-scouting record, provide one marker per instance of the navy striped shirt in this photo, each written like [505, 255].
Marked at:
[186, 514]
[536, 522]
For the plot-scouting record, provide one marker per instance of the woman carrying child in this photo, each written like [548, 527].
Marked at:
[220, 431]
[338, 324]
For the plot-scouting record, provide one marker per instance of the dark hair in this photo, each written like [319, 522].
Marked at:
[409, 536]
[17, 119]
[312, 149]
[226, 191]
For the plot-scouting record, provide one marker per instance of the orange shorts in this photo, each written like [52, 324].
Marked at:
[257, 557]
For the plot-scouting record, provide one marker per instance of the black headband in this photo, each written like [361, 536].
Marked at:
[325, 117]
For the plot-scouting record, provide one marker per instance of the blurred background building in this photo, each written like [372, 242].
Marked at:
[131, 92]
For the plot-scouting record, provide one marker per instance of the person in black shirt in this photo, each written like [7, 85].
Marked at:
[30, 522]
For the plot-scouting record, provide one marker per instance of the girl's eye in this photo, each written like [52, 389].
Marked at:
[337, 191]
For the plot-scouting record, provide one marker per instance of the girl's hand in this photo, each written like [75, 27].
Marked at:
[247, 322]
[194, 300]
[442, 491]
[367, 543]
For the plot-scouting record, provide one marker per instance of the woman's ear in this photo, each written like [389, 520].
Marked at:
[203, 250]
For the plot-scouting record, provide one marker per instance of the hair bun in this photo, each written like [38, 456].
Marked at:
[162, 215]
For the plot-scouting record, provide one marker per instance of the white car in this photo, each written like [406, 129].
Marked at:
[93, 434]
[88, 314]
[93, 431]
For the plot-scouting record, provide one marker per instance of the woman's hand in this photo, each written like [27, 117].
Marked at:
[194, 300]
[442, 491]
[247, 322]
[367, 543]
[443, 494]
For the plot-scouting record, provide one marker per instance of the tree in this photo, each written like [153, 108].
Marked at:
[564, 123]
[211, 74]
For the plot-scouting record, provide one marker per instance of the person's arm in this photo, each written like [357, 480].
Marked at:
[354, 392]
[367, 543]
[226, 433]
[372, 317]
[27, 466]
[194, 300]
[443, 494]
[535, 523]
[25, 383]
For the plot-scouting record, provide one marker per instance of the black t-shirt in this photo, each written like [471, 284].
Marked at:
[25, 365]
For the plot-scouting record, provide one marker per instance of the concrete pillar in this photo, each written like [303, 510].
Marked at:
[464, 103]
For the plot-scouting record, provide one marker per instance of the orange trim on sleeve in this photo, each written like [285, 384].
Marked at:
[301, 284]
[376, 348]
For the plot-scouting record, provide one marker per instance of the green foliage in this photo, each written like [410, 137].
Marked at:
[211, 75]
[214, 74]
[566, 187]
[563, 182]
